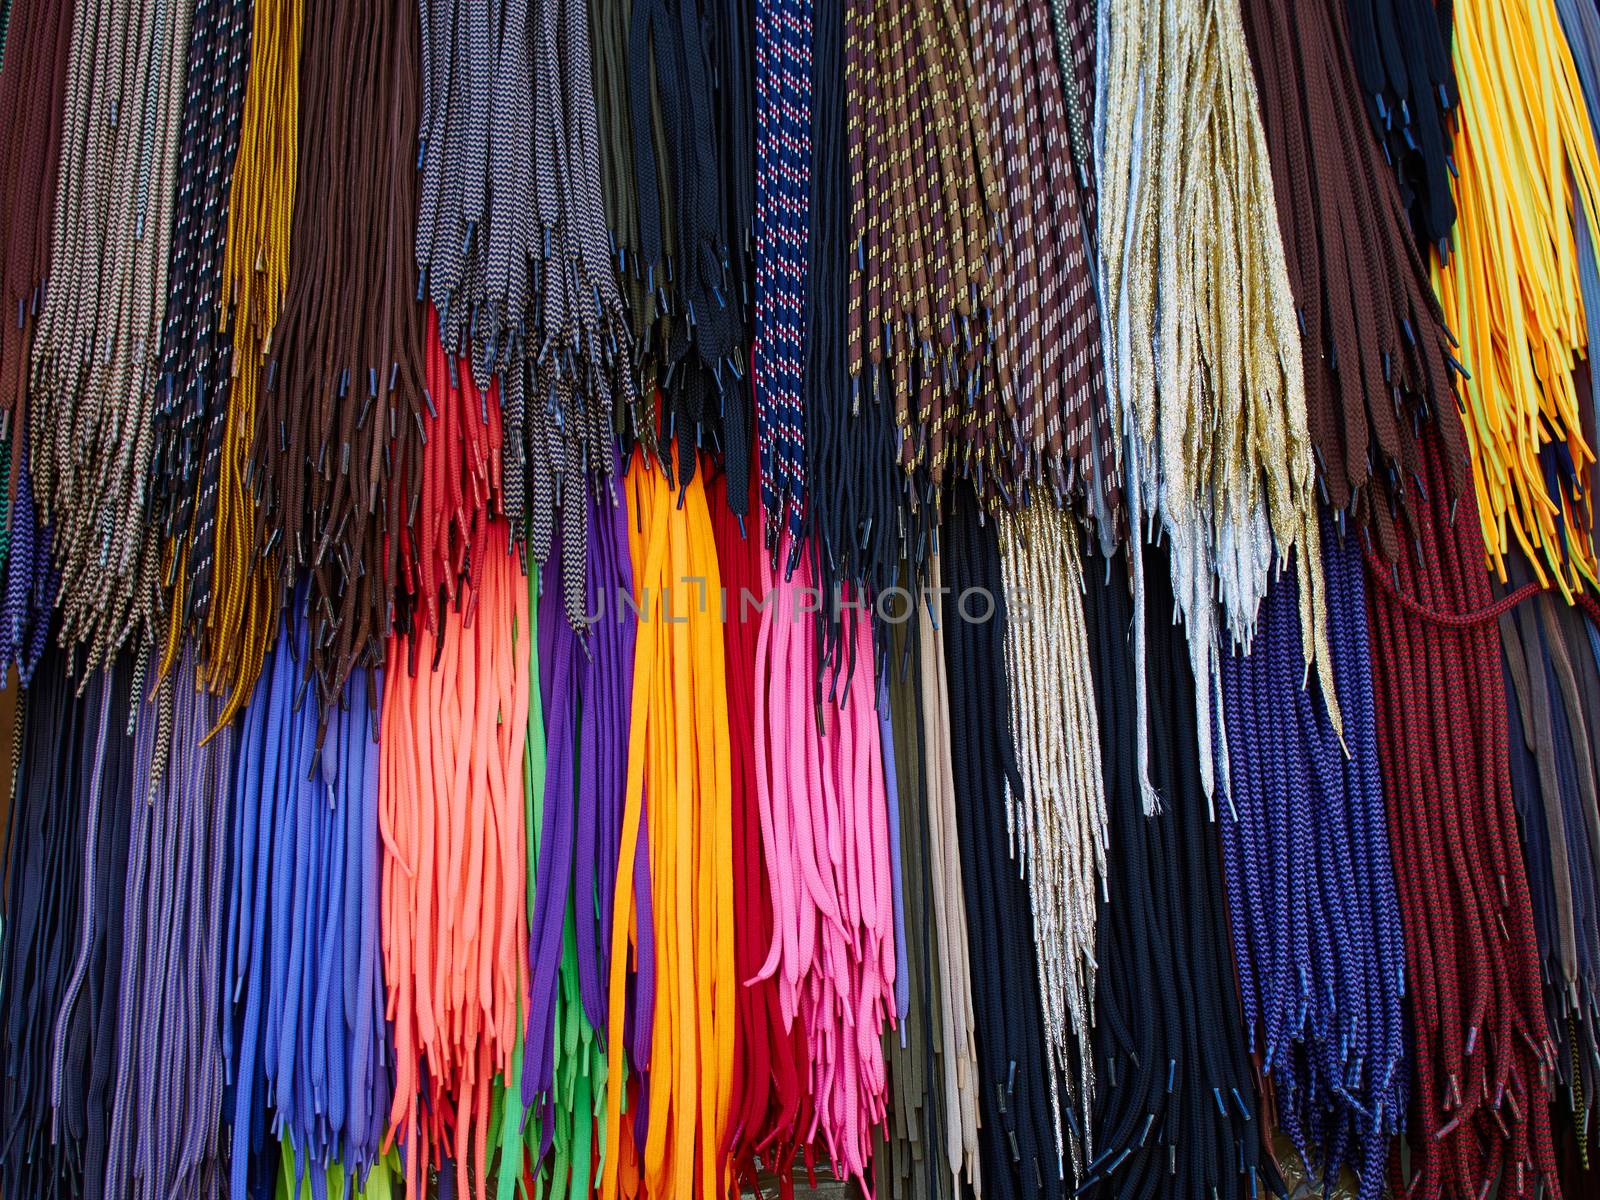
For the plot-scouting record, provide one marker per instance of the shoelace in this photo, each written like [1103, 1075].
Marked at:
[823, 806]
[1175, 1106]
[1020, 1136]
[785, 177]
[190, 413]
[66, 854]
[1480, 1095]
[1552, 682]
[585, 681]
[1401, 53]
[677, 822]
[1516, 269]
[1056, 818]
[770, 1105]
[914, 1157]
[1378, 358]
[532, 302]
[304, 1019]
[1062, 440]
[94, 375]
[239, 622]
[339, 423]
[686, 262]
[453, 736]
[166, 1116]
[1311, 889]
[1206, 378]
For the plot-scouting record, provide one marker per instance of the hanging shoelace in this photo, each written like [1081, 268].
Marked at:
[1480, 1098]
[508, 124]
[686, 262]
[1311, 890]
[1376, 354]
[195, 358]
[166, 1117]
[824, 814]
[783, 222]
[66, 858]
[37, 37]
[1062, 438]
[239, 618]
[1056, 819]
[912, 1157]
[1206, 375]
[1400, 50]
[1020, 1137]
[1581, 24]
[957, 1052]
[339, 423]
[304, 1022]
[674, 910]
[925, 337]
[1174, 1097]
[770, 1105]
[94, 376]
[586, 689]
[1552, 687]
[451, 809]
[1514, 283]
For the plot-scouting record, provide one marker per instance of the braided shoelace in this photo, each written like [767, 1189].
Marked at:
[304, 1023]
[94, 375]
[1206, 377]
[1400, 50]
[1311, 890]
[195, 362]
[339, 421]
[530, 298]
[785, 177]
[239, 622]
[1516, 269]
[1020, 1138]
[1175, 1110]
[166, 1116]
[1056, 819]
[1480, 1096]
[1377, 356]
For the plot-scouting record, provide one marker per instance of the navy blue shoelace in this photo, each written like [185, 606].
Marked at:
[1305, 848]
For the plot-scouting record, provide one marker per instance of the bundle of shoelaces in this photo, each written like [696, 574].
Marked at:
[668, 599]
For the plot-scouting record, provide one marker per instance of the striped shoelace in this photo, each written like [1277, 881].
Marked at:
[94, 379]
[1311, 889]
[339, 415]
[1205, 375]
[530, 299]
[191, 409]
[1175, 1108]
[785, 178]
[304, 1024]
[1483, 1057]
